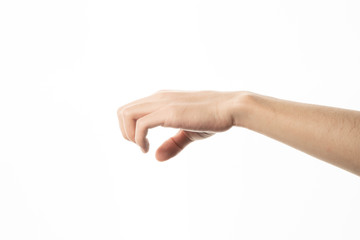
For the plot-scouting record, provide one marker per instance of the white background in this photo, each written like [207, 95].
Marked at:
[67, 173]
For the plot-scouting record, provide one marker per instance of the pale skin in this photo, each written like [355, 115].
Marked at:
[328, 133]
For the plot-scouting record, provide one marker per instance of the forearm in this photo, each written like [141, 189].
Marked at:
[330, 134]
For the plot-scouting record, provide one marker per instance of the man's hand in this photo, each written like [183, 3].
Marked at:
[197, 114]
[328, 133]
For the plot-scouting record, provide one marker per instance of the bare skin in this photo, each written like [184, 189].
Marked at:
[330, 134]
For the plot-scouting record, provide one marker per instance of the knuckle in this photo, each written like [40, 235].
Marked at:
[126, 113]
[163, 93]
[139, 125]
[119, 111]
[123, 112]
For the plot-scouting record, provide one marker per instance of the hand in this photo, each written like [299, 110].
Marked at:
[328, 133]
[198, 115]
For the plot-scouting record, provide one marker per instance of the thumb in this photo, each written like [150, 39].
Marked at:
[173, 146]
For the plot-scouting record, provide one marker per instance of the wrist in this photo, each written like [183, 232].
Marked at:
[241, 107]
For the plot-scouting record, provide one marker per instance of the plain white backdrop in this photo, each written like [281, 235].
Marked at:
[67, 173]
